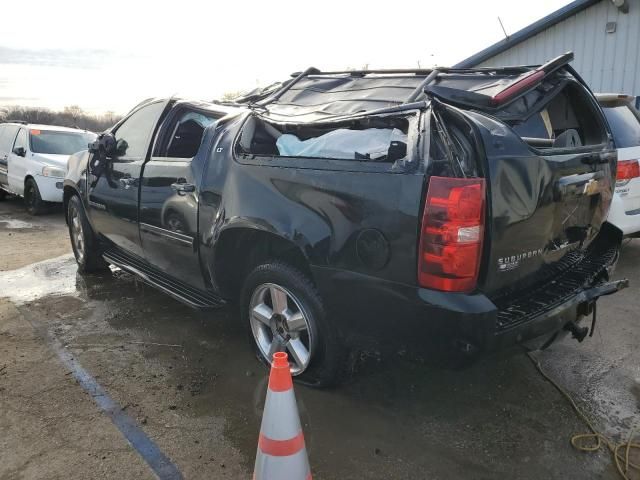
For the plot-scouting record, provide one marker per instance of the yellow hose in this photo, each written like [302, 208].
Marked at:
[592, 442]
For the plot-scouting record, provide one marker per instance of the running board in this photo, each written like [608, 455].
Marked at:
[194, 297]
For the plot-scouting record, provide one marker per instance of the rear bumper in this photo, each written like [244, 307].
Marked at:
[469, 323]
[544, 325]
[628, 222]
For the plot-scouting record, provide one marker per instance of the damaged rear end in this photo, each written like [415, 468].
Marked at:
[537, 141]
[468, 205]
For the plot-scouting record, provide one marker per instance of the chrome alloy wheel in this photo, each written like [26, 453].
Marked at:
[77, 235]
[279, 324]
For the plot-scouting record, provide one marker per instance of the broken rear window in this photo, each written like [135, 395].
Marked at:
[563, 117]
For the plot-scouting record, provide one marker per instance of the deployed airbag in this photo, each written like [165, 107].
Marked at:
[372, 143]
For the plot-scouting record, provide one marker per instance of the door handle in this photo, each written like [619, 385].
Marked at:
[128, 182]
[182, 188]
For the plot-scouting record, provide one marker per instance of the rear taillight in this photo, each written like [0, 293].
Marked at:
[452, 232]
[627, 170]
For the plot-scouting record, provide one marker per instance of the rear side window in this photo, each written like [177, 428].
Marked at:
[3, 131]
[7, 136]
[373, 139]
[187, 134]
[625, 125]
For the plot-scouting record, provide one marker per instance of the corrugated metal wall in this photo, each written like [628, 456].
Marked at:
[609, 62]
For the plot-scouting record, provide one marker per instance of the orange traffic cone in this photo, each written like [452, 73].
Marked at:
[281, 450]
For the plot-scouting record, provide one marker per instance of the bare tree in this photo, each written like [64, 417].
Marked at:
[71, 116]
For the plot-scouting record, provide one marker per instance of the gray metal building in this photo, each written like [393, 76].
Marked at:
[603, 34]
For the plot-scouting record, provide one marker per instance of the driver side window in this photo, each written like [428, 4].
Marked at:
[132, 136]
[21, 140]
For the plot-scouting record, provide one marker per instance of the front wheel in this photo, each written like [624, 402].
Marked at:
[284, 312]
[32, 199]
[84, 243]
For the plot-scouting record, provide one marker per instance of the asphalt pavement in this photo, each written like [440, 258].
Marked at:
[186, 383]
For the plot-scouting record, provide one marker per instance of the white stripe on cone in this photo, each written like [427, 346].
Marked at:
[293, 467]
[280, 424]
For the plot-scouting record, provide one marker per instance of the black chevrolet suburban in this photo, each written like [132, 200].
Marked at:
[462, 206]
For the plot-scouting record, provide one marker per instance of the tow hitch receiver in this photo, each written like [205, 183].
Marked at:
[589, 307]
[579, 333]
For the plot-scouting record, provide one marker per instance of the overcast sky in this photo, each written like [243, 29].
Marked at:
[110, 55]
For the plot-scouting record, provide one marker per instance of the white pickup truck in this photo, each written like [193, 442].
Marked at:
[33, 161]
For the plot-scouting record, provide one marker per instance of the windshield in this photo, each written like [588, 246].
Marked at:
[625, 125]
[59, 143]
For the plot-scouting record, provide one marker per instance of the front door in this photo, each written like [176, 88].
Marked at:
[114, 187]
[17, 164]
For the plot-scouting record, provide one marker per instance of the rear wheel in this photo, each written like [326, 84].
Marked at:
[284, 312]
[32, 199]
[84, 243]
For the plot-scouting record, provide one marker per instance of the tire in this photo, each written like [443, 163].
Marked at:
[32, 199]
[84, 243]
[317, 334]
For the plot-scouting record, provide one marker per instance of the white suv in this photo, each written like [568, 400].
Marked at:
[33, 161]
[624, 121]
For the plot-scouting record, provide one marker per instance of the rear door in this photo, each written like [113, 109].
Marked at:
[549, 195]
[4, 155]
[169, 196]
[7, 136]
[113, 189]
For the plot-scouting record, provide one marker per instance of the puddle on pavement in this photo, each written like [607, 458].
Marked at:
[397, 419]
[56, 277]
[15, 224]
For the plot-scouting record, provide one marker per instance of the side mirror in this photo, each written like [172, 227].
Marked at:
[20, 151]
[121, 147]
[105, 143]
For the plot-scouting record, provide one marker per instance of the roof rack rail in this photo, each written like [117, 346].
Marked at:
[21, 122]
[524, 72]
[420, 88]
[285, 88]
[416, 71]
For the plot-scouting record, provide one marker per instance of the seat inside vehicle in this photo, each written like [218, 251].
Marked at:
[186, 139]
[187, 135]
